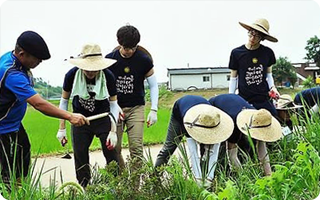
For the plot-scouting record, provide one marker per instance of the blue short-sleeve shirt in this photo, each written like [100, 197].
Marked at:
[15, 88]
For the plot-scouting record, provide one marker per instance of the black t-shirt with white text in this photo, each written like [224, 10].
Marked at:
[251, 66]
[130, 74]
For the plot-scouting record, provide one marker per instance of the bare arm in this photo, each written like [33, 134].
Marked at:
[234, 73]
[47, 108]
[113, 98]
[50, 110]
[149, 73]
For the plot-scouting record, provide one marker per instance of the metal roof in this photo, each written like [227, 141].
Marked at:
[202, 70]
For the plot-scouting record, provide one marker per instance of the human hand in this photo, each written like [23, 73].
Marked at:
[121, 114]
[112, 140]
[274, 94]
[62, 136]
[78, 119]
[152, 118]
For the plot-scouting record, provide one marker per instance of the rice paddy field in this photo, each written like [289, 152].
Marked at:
[294, 159]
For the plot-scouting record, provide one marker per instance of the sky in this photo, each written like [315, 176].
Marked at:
[178, 34]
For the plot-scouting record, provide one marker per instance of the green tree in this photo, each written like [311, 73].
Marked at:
[313, 50]
[284, 71]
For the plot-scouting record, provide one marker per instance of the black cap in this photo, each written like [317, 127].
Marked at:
[34, 44]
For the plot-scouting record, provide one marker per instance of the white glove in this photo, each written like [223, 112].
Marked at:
[112, 140]
[152, 118]
[62, 136]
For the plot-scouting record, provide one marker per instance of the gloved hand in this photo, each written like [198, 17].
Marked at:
[152, 118]
[274, 94]
[62, 136]
[112, 140]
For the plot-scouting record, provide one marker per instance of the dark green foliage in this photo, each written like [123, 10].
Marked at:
[313, 50]
[284, 71]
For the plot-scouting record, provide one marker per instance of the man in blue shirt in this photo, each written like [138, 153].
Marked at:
[16, 90]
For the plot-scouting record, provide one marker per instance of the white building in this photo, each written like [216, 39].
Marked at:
[198, 78]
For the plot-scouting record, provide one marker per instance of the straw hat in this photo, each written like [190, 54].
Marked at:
[261, 25]
[285, 102]
[208, 124]
[260, 123]
[91, 59]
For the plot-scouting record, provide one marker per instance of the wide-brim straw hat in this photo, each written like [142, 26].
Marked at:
[260, 124]
[208, 124]
[285, 102]
[261, 25]
[91, 59]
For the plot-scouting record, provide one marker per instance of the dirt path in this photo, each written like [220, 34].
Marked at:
[53, 166]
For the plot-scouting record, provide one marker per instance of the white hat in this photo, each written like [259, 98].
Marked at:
[90, 59]
[208, 124]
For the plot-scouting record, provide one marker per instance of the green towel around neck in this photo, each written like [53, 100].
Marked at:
[80, 86]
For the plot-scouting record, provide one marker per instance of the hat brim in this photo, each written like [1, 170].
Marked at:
[92, 63]
[290, 108]
[267, 36]
[289, 105]
[214, 135]
[271, 133]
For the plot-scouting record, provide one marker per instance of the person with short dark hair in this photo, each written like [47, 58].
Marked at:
[134, 65]
[251, 67]
[16, 90]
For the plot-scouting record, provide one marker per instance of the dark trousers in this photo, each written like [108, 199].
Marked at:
[174, 136]
[14, 154]
[81, 139]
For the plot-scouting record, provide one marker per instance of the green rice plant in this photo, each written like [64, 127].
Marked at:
[42, 132]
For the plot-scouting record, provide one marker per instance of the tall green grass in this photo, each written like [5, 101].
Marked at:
[295, 162]
[296, 177]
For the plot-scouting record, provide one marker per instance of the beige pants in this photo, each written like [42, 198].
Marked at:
[134, 123]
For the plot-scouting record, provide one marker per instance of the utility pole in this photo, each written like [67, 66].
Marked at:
[47, 90]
